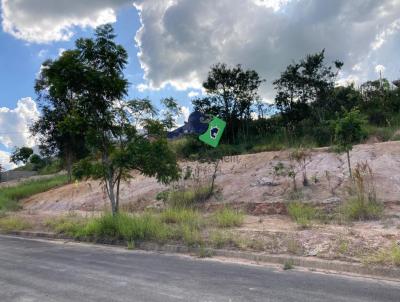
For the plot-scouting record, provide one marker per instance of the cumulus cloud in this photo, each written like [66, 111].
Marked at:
[179, 40]
[193, 94]
[15, 123]
[43, 21]
[185, 113]
[5, 161]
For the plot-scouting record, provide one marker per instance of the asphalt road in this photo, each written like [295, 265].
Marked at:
[34, 270]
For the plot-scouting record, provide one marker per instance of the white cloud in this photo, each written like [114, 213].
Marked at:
[193, 94]
[43, 21]
[61, 51]
[15, 123]
[5, 161]
[179, 40]
[142, 87]
[42, 53]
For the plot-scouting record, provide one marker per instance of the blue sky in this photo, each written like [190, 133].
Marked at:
[173, 43]
[20, 61]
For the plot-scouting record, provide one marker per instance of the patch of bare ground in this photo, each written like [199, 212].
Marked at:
[250, 183]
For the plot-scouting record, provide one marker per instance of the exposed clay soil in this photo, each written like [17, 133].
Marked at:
[249, 179]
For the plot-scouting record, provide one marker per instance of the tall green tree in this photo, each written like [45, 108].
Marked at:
[116, 147]
[308, 82]
[349, 130]
[61, 129]
[21, 155]
[231, 93]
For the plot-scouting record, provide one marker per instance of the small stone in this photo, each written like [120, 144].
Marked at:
[266, 181]
[334, 199]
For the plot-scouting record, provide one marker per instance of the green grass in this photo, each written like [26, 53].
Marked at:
[388, 256]
[189, 197]
[356, 209]
[68, 225]
[125, 227]
[301, 213]
[226, 218]
[182, 216]
[288, 264]
[12, 223]
[9, 196]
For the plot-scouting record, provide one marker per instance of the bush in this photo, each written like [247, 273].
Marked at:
[9, 196]
[228, 218]
[302, 213]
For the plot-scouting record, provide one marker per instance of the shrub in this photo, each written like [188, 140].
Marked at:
[302, 213]
[226, 218]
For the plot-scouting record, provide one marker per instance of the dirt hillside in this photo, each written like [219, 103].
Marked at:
[245, 179]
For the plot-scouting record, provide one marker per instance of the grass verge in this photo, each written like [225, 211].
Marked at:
[9, 196]
[12, 223]
[226, 218]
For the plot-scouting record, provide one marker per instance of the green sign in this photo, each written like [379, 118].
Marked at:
[214, 132]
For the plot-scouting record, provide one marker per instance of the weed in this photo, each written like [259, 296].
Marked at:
[204, 252]
[288, 264]
[294, 246]
[302, 213]
[390, 256]
[131, 245]
[222, 239]
[14, 223]
[126, 227]
[191, 236]
[182, 216]
[69, 226]
[363, 205]
[188, 197]
[343, 246]
[228, 218]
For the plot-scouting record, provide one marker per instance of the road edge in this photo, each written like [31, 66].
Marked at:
[297, 261]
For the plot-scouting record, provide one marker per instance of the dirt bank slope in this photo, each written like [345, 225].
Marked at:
[245, 179]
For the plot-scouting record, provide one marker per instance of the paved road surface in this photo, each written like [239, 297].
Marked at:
[32, 270]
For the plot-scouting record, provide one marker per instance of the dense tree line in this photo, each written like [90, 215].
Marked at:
[308, 103]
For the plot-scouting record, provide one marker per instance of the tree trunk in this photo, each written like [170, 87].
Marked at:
[214, 177]
[69, 166]
[348, 162]
[111, 195]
